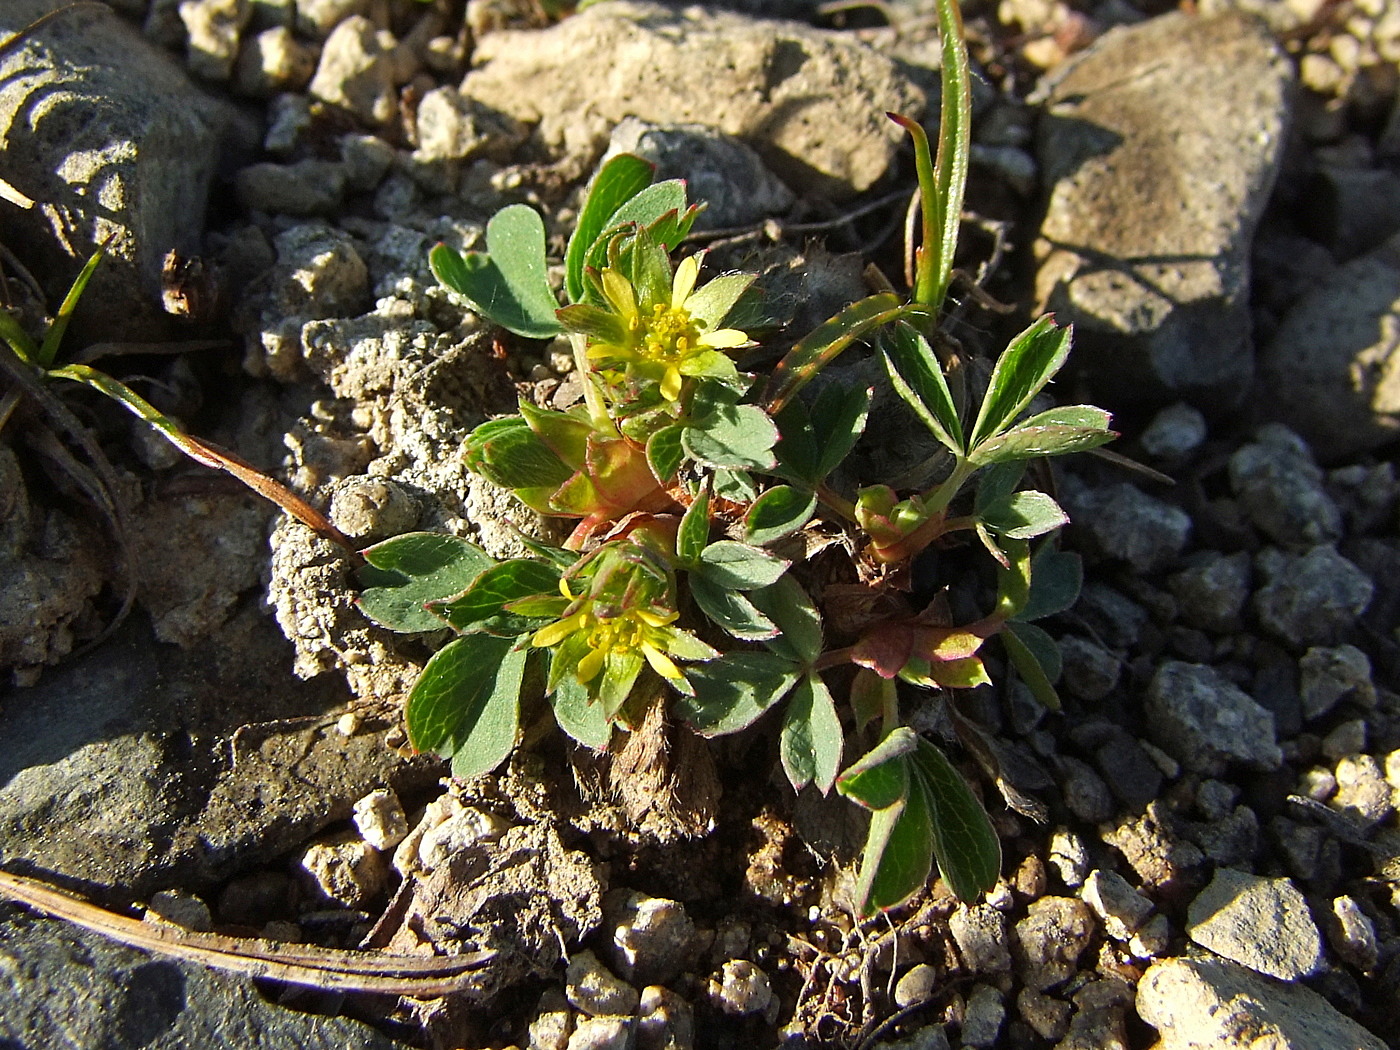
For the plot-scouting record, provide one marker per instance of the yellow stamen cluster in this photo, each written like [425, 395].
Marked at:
[626, 632]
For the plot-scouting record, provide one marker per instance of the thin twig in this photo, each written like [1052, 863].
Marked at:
[420, 976]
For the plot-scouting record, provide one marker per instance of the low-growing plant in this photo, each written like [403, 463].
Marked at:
[695, 485]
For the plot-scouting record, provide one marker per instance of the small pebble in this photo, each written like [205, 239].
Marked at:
[1362, 789]
[1151, 940]
[592, 988]
[1317, 783]
[1047, 1016]
[741, 988]
[665, 1021]
[980, 933]
[1050, 939]
[380, 818]
[1354, 934]
[345, 870]
[553, 1022]
[601, 1033]
[1258, 922]
[984, 1016]
[1328, 675]
[1069, 857]
[1349, 738]
[1120, 907]
[1174, 433]
[917, 985]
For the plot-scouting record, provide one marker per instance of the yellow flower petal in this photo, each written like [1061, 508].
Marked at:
[619, 292]
[684, 281]
[671, 383]
[653, 618]
[590, 665]
[660, 662]
[723, 339]
[554, 633]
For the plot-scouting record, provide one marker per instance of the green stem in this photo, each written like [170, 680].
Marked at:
[835, 502]
[592, 396]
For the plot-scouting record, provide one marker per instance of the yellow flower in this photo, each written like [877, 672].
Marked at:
[661, 338]
[620, 623]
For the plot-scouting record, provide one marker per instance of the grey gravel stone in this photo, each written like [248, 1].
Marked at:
[983, 1017]
[1310, 599]
[732, 180]
[1124, 523]
[1280, 488]
[1210, 1004]
[653, 939]
[1120, 907]
[592, 988]
[1174, 433]
[273, 61]
[360, 70]
[67, 988]
[1362, 790]
[1151, 940]
[1258, 922]
[1050, 939]
[1212, 590]
[308, 187]
[1111, 614]
[1332, 359]
[1346, 738]
[665, 1021]
[601, 1033]
[1099, 1021]
[1047, 1016]
[1069, 857]
[553, 1022]
[1122, 144]
[1206, 722]
[1327, 675]
[1085, 793]
[1155, 849]
[1352, 934]
[456, 127]
[1232, 839]
[369, 509]
[920, 982]
[1090, 671]
[741, 988]
[214, 28]
[980, 933]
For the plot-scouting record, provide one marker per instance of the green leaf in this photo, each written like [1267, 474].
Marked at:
[838, 420]
[617, 182]
[582, 718]
[466, 703]
[508, 282]
[665, 453]
[1021, 372]
[1026, 645]
[739, 566]
[799, 458]
[734, 485]
[731, 610]
[48, 351]
[405, 572]
[734, 691]
[996, 483]
[872, 697]
[964, 842]
[1058, 432]
[694, 531]
[879, 778]
[649, 208]
[18, 339]
[811, 738]
[499, 585]
[825, 342]
[917, 377]
[791, 608]
[1024, 515]
[905, 855]
[735, 436]
[779, 512]
[1056, 579]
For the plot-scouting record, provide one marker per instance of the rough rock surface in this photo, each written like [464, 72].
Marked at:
[785, 87]
[1335, 357]
[1152, 270]
[1260, 923]
[65, 987]
[114, 142]
[1210, 1004]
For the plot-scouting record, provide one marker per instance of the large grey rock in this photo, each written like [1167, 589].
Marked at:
[67, 989]
[1145, 243]
[140, 766]
[114, 142]
[1209, 1004]
[1205, 721]
[780, 87]
[1332, 371]
[1257, 922]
